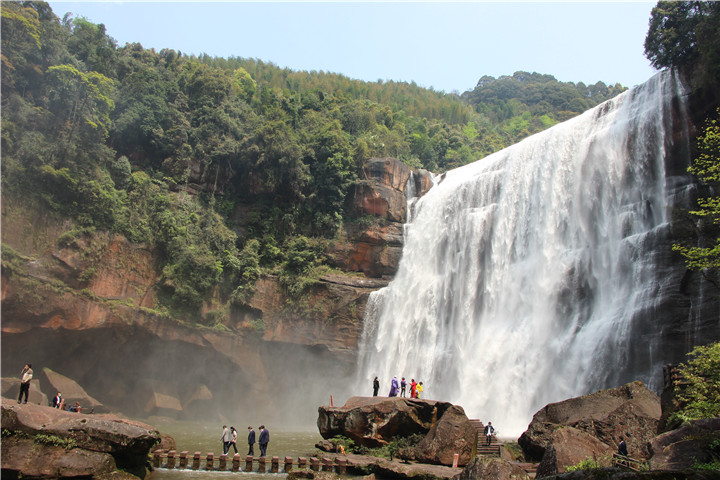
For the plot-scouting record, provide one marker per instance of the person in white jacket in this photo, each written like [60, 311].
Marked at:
[25, 377]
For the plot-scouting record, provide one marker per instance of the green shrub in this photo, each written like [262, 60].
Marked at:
[699, 393]
[588, 464]
[54, 440]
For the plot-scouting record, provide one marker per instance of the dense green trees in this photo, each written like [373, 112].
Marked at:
[228, 167]
[685, 35]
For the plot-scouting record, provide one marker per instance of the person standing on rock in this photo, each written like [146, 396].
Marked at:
[25, 377]
[251, 441]
[489, 431]
[58, 401]
[418, 390]
[376, 386]
[413, 388]
[226, 439]
[394, 387]
[403, 384]
[263, 440]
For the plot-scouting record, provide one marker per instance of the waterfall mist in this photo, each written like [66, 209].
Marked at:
[526, 275]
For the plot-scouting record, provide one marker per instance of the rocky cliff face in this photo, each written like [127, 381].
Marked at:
[83, 305]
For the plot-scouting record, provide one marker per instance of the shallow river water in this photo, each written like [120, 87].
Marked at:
[205, 438]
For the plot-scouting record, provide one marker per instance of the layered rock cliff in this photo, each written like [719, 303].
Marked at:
[84, 304]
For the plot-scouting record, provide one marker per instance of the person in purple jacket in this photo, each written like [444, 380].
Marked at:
[394, 386]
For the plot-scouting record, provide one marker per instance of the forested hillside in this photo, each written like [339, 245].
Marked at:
[165, 149]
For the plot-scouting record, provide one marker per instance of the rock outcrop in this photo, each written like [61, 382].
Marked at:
[71, 392]
[630, 411]
[487, 468]
[692, 443]
[376, 421]
[374, 247]
[44, 442]
[570, 446]
[452, 434]
[11, 389]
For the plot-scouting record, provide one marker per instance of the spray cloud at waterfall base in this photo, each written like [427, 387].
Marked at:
[540, 272]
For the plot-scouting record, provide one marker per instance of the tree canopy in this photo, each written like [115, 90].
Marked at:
[227, 167]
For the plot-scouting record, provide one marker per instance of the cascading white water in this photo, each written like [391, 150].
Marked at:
[522, 273]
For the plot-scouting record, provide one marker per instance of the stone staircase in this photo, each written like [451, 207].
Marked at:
[495, 447]
[492, 450]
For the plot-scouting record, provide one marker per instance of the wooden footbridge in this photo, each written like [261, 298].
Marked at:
[172, 459]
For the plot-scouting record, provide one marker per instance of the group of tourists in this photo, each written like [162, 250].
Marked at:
[229, 439]
[399, 388]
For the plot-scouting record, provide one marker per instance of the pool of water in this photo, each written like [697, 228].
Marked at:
[205, 438]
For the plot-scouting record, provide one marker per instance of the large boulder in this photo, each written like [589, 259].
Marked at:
[570, 446]
[44, 442]
[630, 411]
[376, 421]
[11, 389]
[680, 449]
[488, 468]
[452, 434]
[72, 392]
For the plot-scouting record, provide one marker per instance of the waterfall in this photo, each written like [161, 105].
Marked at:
[524, 274]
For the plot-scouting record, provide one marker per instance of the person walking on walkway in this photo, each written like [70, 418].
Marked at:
[263, 440]
[489, 431]
[226, 439]
[233, 441]
[251, 441]
[25, 377]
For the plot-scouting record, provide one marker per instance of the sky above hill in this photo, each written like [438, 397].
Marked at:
[446, 46]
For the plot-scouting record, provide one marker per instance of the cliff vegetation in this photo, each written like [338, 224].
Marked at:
[228, 170]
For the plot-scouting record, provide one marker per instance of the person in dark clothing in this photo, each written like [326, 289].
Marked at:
[403, 384]
[622, 448]
[25, 377]
[251, 441]
[376, 386]
[263, 440]
[489, 431]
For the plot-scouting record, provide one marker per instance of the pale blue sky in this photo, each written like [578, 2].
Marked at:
[447, 46]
